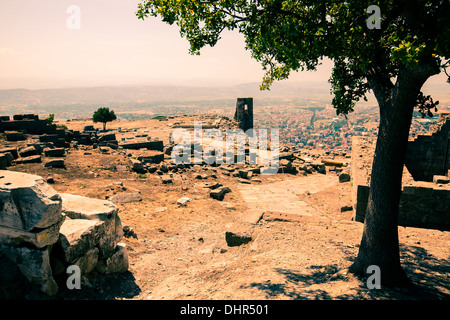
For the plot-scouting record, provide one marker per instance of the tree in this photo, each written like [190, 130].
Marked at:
[103, 115]
[391, 55]
[51, 118]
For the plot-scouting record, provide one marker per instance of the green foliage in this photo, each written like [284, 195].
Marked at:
[288, 35]
[51, 118]
[103, 115]
[62, 126]
[339, 124]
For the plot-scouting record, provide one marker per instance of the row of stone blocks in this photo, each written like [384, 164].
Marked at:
[419, 207]
[43, 232]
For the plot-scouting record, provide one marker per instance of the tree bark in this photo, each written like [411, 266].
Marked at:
[379, 244]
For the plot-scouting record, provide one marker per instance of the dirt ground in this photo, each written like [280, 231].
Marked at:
[181, 254]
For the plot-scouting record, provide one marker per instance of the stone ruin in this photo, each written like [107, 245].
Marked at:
[244, 113]
[425, 197]
[43, 232]
[47, 140]
[428, 155]
[28, 122]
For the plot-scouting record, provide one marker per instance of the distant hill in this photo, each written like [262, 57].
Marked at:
[80, 102]
[126, 94]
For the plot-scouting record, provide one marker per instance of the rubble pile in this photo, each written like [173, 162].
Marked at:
[43, 232]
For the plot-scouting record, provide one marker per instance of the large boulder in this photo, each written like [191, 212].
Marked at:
[136, 165]
[54, 152]
[27, 202]
[126, 197]
[34, 264]
[78, 236]
[55, 163]
[28, 151]
[39, 238]
[79, 207]
[30, 159]
[219, 193]
[118, 262]
[104, 229]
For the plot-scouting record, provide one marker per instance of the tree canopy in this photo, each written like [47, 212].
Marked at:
[286, 36]
[104, 115]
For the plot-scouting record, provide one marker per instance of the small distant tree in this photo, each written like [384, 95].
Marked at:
[103, 115]
[51, 118]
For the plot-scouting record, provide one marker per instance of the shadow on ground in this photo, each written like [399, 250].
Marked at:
[428, 274]
[94, 286]
[103, 287]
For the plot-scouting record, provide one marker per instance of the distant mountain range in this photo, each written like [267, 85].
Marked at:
[81, 101]
[126, 94]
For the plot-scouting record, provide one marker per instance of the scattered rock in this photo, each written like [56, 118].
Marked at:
[15, 136]
[30, 159]
[128, 232]
[183, 201]
[118, 262]
[28, 151]
[55, 152]
[136, 165]
[126, 197]
[12, 150]
[50, 180]
[285, 166]
[160, 209]
[210, 185]
[55, 163]
[166, 179]
[238, 235]
[219, 193]
[344, 177]
[346, 208]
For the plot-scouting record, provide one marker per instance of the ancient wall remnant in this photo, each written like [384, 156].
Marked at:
[28, 122]
[423, 204]
[244, 113]
[429, 154]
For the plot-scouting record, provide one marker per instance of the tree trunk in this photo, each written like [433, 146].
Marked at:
[379, 244]
[104, 126]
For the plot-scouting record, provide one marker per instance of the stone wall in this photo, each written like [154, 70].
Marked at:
[429, 154]
[422, 204]
[244, 113]
[28, 122]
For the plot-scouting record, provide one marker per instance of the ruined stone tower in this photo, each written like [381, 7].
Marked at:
[244, 113]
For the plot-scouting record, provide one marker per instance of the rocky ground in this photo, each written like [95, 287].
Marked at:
[180, 251]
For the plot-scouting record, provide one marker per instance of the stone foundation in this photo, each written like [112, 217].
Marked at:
[422, 204]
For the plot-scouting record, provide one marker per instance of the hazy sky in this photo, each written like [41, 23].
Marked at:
[38, 50]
